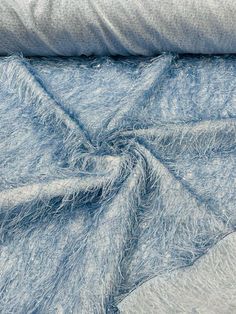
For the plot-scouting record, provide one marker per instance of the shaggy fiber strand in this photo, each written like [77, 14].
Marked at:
[114, 171]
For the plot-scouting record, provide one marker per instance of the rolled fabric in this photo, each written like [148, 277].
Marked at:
[117, 27]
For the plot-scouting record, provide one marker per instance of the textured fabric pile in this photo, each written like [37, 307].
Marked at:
[117, 185]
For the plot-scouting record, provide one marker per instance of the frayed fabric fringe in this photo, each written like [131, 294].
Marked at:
[113, 171]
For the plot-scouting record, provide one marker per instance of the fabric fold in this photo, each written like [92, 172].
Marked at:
[121, 27]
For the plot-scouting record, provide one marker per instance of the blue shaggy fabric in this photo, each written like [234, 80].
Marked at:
[113, 171]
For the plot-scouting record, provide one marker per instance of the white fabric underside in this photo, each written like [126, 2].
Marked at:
[207, 287]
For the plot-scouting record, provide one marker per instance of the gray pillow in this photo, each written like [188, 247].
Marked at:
[111, 27]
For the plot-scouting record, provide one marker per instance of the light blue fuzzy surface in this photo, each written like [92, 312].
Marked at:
[112, 172]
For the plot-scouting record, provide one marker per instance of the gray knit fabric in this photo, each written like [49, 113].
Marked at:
[208, 287]
[111, 27]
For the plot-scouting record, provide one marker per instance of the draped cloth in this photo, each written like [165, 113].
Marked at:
[117, 27]
[113, 171]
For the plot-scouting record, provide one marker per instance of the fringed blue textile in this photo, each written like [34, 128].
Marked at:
[113, 171]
